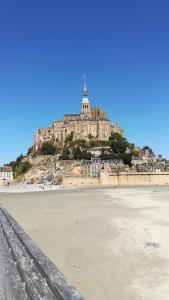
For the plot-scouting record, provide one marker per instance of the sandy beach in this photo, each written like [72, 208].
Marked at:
[110, 243]
[27, 188]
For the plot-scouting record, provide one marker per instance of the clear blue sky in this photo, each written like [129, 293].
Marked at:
[47, 46]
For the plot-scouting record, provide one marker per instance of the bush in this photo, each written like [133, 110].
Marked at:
[106, 156]
[135, 153]
[86, 155]
[118, 143]
[47, 149]
[29, 150]
[65, 153]
[15, 163]
[22, 168]
[148, 148]
[80, 143]
[69, 138]
[127, 158]
[19, 167]
[78, 154]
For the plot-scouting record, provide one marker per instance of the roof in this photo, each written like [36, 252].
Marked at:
[6, 169]
[85, 100]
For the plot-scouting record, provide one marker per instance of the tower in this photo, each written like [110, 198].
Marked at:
[85, 105]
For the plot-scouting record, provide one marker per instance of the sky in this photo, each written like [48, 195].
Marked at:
[46, 47]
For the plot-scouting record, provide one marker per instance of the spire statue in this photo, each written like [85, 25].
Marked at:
[85, 94]
[85, 87]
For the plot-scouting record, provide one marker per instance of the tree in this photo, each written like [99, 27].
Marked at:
[86, 155]
[148, 148]
[19, 166]
[69, 138]
[135, 153]
[127, 158]
[106, 156]
[65, 153]
[93, 143]
[22, 168]
[90, 137]
[76, 153]
[47, 149]
[118, 143]
[19, 158]
[80, 143]
[29, 150]
[131, 147]
[15, 163]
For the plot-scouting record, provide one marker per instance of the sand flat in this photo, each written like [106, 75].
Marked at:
[110, 243]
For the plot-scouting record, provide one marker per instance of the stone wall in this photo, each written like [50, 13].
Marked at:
[99, 128]
[134, 179]
[122, 179]
[74, 180]
[81, 129]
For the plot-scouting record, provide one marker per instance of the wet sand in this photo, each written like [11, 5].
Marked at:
[110, 243]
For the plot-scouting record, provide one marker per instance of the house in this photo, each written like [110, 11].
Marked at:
[6, 174]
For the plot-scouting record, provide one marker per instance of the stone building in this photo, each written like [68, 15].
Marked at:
[92, 168]
[90, 123]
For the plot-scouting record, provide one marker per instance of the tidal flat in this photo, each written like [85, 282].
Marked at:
[110, 243]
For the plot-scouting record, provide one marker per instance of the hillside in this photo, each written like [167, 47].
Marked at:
[48, 168]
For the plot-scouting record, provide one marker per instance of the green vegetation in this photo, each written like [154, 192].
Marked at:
[127, 158]
[29, 150]
[47, 149]
[117, 148]
[19, 166]
[135, 153]
[69, 138]
[106, 156]
[90, 137]
[81, 154]
[65, 153]
[148, 148]
[22, 168]
[75, 152]
[118, 144]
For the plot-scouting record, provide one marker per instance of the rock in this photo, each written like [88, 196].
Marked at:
[48, 169]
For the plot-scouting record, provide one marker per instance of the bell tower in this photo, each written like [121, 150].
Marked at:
[85, 105]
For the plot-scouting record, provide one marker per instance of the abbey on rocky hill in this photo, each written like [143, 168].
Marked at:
[91, 123]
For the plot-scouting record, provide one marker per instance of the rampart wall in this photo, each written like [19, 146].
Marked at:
[121, 179]
[75, 180]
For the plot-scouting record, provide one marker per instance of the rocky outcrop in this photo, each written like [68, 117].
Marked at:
[48, 168]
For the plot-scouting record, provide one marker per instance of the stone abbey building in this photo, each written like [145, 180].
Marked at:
[90, 123]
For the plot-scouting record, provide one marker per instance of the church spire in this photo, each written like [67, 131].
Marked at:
[85, 112]
[85, 88]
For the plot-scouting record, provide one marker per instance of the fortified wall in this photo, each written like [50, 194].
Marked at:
[121, 179]
[134, 179]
